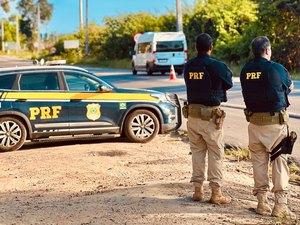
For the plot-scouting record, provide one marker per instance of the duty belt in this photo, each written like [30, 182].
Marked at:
[267, 118]
[201, 111]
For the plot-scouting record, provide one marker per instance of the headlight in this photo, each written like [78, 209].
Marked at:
[167, 97]
[160, 97]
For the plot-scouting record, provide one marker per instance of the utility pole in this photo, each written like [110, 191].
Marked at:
[86, 29]
[17, 33]
[80, 15]
[38, 26]
[2, 34]
[179, 26]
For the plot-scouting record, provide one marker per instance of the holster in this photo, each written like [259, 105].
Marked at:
[219, 115]
[283, 117]
[285, 146]
[185, 110]
[248, 114]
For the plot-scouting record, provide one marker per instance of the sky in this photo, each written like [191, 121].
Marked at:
[65, 18]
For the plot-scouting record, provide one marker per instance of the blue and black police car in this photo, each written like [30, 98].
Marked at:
[42, 101]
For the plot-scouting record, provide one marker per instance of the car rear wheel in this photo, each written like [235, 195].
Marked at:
[12, 134]
[141, 126]
[134, 71]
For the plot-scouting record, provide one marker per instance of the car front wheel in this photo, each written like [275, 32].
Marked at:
[12, 134]
[141, 126]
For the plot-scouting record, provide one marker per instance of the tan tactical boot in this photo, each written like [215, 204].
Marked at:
[263, 207]
[199, 194]
[217, 197]
[280, 208]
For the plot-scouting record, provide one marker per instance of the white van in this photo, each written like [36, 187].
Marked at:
[157, 51]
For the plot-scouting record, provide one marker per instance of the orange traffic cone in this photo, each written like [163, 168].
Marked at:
[172, 73]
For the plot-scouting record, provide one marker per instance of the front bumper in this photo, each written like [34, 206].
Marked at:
[175, 118]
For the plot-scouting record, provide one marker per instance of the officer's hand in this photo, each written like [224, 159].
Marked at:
[291, 87]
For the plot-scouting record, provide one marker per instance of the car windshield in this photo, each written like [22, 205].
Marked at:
[169, 46]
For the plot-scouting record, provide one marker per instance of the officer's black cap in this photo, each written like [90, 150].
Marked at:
[259, 45]
[204, 42]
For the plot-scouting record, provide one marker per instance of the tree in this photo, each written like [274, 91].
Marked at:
[225, 21]
[119, 32]
[279, 20]
[28, 11]
[5, 5]
[26, 8]
[282, 19]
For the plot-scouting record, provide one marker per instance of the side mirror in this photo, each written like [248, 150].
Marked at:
[104, 89]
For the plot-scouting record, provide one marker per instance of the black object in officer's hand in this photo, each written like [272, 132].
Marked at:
[285, 146]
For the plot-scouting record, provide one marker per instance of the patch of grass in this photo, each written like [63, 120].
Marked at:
[21, 54]
[116, 63]
[294, 167]
[236, 153]
[295, 75]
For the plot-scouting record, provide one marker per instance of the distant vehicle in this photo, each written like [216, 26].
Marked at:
[157, 51]
[42, 101]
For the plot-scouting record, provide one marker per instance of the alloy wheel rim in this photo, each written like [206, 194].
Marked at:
[143, 126]
[10, 133]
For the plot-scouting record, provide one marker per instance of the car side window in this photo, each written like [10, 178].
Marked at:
[7, 81]
[80, 83]
[39, 81]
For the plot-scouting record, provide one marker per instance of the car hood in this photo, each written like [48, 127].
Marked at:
[135, 90]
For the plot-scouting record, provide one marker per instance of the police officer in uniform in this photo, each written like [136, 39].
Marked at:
[206, 81]
[265, 86]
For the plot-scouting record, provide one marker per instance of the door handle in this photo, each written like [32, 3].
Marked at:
[75, 100]
[21, 100]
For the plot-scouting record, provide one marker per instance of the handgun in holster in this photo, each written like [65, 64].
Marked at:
[185, 110]
[219, 117]
[285, 146]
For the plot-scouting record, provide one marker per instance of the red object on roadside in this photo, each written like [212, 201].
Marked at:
[172, 73]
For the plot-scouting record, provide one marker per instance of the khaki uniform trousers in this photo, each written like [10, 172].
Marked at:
[262, 139]
[205, 139]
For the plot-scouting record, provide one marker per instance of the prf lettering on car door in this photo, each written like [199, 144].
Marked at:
[44, 112]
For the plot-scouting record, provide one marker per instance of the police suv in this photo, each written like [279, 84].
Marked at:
[42, 101]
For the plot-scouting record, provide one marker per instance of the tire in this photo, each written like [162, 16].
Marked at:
[141, 126]
[12, 134]
[148, 70]
[134, 71]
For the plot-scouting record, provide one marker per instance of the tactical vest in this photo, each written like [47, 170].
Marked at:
[199, 84]
[258, 92]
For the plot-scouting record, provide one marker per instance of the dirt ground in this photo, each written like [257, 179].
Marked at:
[116, 182]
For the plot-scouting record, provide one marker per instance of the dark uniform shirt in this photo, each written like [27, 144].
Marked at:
[207, 80]
[265, 85]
